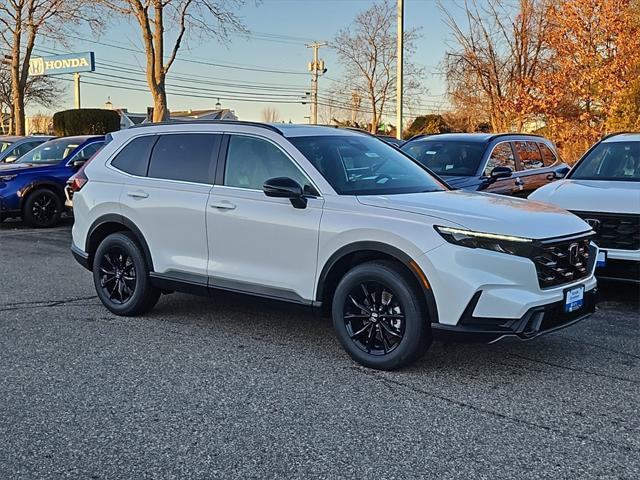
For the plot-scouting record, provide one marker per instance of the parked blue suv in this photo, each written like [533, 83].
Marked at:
[33, 186]
[509, 164]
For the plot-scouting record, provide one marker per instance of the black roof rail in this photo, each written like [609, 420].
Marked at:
[508, 134]
[211, 122]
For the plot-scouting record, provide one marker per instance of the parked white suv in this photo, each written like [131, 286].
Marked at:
[330, 218]
[603, 188]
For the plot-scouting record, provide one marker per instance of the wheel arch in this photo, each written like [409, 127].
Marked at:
[31, 187]
[112, 223]
[356, 253]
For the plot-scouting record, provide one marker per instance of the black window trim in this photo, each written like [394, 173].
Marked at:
[222, 164]
[214, 161]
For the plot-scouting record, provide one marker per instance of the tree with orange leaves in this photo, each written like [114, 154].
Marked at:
[594, 48]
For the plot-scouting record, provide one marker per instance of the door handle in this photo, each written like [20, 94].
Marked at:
[223, 205]
[519, 181]
[138, 194]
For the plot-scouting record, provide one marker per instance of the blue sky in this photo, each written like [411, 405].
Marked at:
[301, 19]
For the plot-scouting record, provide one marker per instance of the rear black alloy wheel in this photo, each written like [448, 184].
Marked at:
[42, 208]
[117, 275]
[374, 318]
[380, 315]
[121, 276]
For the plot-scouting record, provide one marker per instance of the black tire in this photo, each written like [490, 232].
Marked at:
[42, 208]
[121, 276]
[398, 334]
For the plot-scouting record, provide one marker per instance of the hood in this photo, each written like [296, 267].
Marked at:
[12, 168]
[591, 195]
[485, 212]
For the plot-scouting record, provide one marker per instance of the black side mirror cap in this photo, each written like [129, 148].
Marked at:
[285, 187]
[561, 172]
[500, 172]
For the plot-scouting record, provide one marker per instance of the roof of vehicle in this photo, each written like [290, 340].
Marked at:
[471, 137]
[78, 138]
[622, 137]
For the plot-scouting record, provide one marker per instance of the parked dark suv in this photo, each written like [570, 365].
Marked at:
[509, 164]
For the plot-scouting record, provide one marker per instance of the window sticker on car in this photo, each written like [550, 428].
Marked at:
[372, 155]
[430, 152]
[448, 167]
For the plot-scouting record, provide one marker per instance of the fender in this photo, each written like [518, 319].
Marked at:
[394, 252]
[125, 222]
[52, 184]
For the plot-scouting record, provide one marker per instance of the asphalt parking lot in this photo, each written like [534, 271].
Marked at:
[232, 388]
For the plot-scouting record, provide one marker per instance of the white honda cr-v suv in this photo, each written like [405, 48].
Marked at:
[330, 218]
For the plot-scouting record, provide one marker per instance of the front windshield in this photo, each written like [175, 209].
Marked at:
[53, 151]
[447, 157]
[4, 146]
[363, 165]
[610, 161]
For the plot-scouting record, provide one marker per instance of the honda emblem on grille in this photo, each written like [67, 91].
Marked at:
[573, 254]
[594, 223]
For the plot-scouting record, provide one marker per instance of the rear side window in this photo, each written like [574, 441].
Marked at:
[185, 157]
[134, 157]
[529, 155]
[548, 157]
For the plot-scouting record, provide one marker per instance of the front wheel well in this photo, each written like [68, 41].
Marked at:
[329, 280]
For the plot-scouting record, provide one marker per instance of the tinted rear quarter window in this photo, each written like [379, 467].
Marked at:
[184, 157]
[134, 157]
[529, 155]
[548, 157]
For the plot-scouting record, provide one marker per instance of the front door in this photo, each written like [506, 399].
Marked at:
[259, 244]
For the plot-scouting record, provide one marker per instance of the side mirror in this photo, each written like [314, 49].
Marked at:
[285, 187]
[500, 172]
[78, 163]
[11, 158]
[560, 172]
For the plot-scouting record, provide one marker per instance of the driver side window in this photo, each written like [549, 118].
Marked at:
[251, 161]
[501, 156]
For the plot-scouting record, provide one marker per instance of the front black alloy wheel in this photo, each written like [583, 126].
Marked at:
[42, 208]
[380, 316]
[374, 318]
[121, 276]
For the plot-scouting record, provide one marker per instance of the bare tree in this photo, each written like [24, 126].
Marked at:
[158, 19]
[368, 50]
[21, 22]
[270, 115]
[497, 56]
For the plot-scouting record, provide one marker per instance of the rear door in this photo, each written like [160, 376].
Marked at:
[531, 169]
[501, 155]
[166, 198]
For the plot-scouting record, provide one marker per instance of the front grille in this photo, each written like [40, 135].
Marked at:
[561, 262]
[619, 231]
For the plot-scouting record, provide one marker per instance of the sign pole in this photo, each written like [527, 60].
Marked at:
[399, 70]
[76, 83]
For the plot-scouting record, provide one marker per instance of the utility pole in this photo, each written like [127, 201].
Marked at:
[355, 106]
[399, 70]
[76, 89]
[316, 67]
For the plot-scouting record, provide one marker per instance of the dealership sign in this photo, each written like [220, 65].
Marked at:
[59, 64]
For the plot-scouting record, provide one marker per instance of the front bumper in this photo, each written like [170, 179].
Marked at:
[536, 321]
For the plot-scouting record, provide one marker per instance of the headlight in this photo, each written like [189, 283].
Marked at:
[488, 241]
